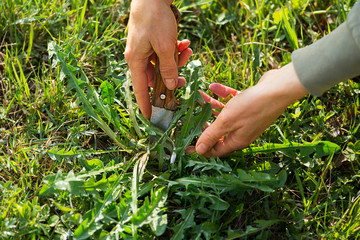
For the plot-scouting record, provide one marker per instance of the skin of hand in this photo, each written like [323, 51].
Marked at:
[249, 113]
[152, 29]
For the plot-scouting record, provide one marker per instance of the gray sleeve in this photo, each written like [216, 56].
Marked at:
[332, 59]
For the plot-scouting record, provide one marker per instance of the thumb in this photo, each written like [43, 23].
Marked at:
[168, 68]
[210, 136]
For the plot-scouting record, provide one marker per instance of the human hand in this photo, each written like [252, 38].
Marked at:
[152, 29]
[249, 113]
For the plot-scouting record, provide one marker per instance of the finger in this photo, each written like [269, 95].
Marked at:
[150, 74]
[222, 91]
[184, 57]
[185, 52]
[168, 67]
[181, 82]
[214, 103]
[139, 81]
[226, 145]
[183, 44]
[210, 136]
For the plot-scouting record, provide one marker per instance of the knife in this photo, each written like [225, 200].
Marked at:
[164, 102]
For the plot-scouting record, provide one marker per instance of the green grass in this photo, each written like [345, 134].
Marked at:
[75, 157]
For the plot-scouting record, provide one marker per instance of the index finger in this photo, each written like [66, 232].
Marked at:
[141, 91]
[211, 136]
[222, 90]
[226, 145]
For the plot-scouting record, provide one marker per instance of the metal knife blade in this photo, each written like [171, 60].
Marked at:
[161, 117]
[164, 102]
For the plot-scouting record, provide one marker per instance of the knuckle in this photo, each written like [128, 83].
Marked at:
[167, 70]
[128, 54]
[225, 119]
[164, 47]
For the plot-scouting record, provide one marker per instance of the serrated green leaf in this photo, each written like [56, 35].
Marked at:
[188, 221]
[321, 148]
[107, 92]
[95, 163]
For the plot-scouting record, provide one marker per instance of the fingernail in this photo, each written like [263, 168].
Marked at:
[170, 83]
[201, 148]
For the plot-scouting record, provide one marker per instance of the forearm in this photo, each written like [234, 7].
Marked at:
[334, 58]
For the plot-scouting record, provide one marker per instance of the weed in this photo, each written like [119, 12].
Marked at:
[75, 156]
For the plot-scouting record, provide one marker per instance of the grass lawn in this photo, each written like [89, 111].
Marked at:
[75, 156]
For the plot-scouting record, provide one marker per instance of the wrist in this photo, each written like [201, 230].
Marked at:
[291, 87]
[282, 87]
